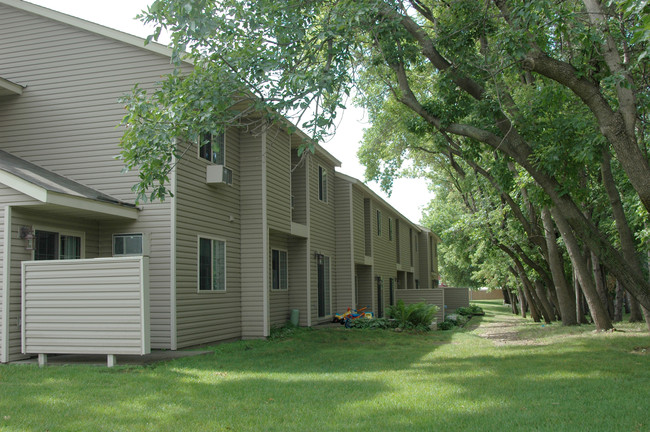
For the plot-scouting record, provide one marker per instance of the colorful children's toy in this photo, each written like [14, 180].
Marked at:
[351, 314]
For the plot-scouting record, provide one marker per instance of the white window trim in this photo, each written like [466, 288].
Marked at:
[61, 232]
[198, 149]
[271, 278]
[198, 267]
[142, 237]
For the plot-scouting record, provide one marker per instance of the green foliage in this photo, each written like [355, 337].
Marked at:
[412, 315]
[446, 325]
[375, 323]
[466, 311]
[457, 319]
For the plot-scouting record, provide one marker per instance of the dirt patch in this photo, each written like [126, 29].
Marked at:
[505, 332]
[641, 350]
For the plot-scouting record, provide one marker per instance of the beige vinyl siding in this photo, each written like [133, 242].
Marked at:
[211, 212]
[359, 226]
[8, 197]
[154, 221]
[299, 175]
[430, 296]
[65, 121]
[366, 287]
[322, 225]
[35, 217]
[344, 259]
[254, 238]
[383, 253]
[404, 245]
[455, 298]
[279, 303]
[73, 80]
[97, 306]
[424, 261]
[299, 277]
[278, 180]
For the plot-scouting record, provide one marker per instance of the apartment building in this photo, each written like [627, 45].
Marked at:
[252, 232]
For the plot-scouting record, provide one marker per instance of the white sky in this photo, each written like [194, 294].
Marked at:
[409, 196]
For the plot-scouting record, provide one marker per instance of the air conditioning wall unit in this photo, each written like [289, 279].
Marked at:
[218, 174]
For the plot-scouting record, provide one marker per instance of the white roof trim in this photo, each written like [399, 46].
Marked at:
[9, 88]
[48, 197]
[88, 26]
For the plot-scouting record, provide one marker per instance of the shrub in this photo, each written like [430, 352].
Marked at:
[413, 315]
[477, 310]
[467, 311]
[446, 325]
[375, 323]
[459, 320]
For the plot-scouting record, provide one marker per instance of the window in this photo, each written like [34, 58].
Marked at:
[390, 229]
[391, 291]
[212, 265]
[127, 244]
[50, 245]
[378, 223]
[417, 284]
[322, 184]
[279, 279]
[213, 148]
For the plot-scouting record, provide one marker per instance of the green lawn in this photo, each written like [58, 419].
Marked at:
[542, 378]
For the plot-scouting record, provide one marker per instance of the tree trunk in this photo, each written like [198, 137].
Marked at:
[506, 296]
[635, 309]
[513, 303]
[580, 306]
[618, 303]
[598, 312]
[624, 231]
[552, 298]
[565, 297]
[601, 289]
[547, 308]
[522, 303]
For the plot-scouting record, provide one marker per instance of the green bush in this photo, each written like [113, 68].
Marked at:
[459, 320]
[446, 325]
[477, 310]
[375, 323]
[466, 311]
[413, 315]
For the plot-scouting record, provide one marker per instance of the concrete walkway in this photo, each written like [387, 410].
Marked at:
[101, 360]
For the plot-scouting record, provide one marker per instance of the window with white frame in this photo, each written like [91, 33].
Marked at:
[213, 147]
[51, 245]
[127, 244]
[322, 184]
[212, 264]
[279, 273]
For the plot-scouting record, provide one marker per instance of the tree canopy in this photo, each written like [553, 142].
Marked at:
[531, 96]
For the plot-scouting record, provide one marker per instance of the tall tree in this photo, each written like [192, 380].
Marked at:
[465, 68]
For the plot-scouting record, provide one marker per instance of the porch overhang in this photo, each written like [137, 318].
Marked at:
[8, 88]
[45, 196]
[58, 191]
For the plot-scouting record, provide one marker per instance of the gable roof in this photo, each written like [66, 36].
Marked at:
[88, 26]
[364, 187]
[49, 187]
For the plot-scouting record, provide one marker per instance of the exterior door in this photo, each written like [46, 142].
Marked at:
[324, 295]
